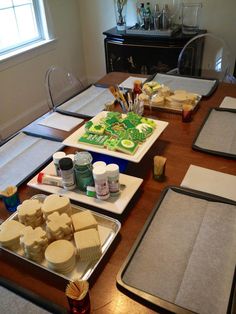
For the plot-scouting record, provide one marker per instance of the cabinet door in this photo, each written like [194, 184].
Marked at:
[142, 59]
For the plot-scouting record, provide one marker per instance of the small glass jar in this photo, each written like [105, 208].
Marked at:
[67, 173]
[56, 157]
[83, 170]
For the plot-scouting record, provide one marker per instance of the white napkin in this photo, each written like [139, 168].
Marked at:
[129, 82]
[210, 181]
[228, 103]
[60, 121]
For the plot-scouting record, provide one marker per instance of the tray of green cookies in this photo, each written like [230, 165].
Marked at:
[126, 136]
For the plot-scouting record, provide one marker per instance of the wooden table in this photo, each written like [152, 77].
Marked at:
[175, 144]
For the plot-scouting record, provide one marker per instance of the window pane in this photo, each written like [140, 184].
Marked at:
[27, 27]
[20, 2]
[7, 21]
[5, 3]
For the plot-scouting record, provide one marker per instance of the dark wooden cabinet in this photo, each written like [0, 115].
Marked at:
[142, 53]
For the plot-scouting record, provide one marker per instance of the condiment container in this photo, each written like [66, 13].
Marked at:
[48, 179]
[83, 170]
[67, 173]
[112, 171]
[56, 157]
[101, 183]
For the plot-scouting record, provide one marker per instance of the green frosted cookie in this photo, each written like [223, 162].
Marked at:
[97, 129]
[93, 139]
[111, 143]
[149, 122]
[135, 135]
[127, 146]
[145, 128]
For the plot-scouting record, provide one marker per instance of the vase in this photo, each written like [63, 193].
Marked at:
[120, 12]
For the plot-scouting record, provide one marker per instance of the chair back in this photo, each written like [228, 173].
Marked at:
[206, 56]
[61, 85]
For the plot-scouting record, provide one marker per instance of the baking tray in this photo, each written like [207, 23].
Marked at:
[203, 86]
[108, 229]
[136, 289]
[72, 140]
[114, 204]
[168, 108]
[219, 136]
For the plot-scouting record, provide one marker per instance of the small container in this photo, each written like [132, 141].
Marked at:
[83, 170]
[67, 173]
[99, 164]
[10, 198]
[91, 192]
[113, 179]
[78, 297]
[101, 183]
[72, 156]
[48, 179]
[56, 157]
[187, 111]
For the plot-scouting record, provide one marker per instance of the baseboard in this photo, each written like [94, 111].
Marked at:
[21, 120]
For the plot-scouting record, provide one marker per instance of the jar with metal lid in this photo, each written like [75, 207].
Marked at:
[67, 173]
[83, 170]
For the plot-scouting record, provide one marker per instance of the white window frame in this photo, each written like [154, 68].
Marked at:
[29, 50]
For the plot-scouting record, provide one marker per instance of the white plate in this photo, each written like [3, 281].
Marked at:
[114, 204]
[72, 140]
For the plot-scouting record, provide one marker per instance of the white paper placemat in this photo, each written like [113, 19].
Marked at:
[89, 103]
[228, 103]
[210, 181]
[22, 155]
[61, 121]
[129, 82]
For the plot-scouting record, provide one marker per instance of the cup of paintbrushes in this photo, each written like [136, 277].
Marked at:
[77, 293]
[10, 198]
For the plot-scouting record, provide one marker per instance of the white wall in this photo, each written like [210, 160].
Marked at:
[78, 25]
[22, 90]
[98, 16]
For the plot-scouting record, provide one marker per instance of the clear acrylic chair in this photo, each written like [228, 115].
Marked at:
[61, 85]
[205, 56]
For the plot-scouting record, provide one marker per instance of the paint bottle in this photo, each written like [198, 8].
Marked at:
[48, 179]
[67, 173]
[101, 183]
[56, 157]
[113, 179]
[83, 170]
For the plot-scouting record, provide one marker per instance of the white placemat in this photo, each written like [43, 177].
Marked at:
[228, 103]
[129, 82]
[210, 181]
[60, 121]
[89, 103]
[22, 155]
[13, 303]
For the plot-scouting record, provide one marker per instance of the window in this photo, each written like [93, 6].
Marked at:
[22, 23]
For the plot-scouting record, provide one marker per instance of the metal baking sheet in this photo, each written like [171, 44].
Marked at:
[108, 229]
[214, 135]
[169, 108]
[198, 85]
[141, 279]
